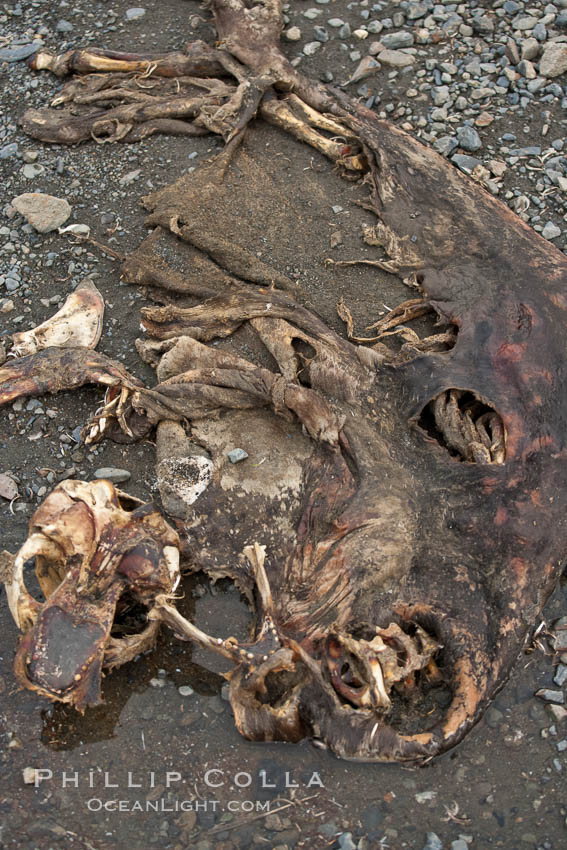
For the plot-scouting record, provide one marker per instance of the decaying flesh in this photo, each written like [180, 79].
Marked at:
[92, 556]
[410, 522]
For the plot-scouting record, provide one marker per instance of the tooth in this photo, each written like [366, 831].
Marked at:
[77, 324]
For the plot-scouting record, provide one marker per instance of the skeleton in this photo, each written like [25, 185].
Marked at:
[413, 527]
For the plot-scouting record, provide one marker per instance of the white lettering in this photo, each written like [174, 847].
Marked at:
[208, 780]
[70, 779]
[265, 783]
[41, 774]
[131, 783]
[247, 780]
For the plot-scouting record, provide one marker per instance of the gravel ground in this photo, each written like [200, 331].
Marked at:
[485, 85]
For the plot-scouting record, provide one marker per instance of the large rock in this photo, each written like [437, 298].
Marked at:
[394, 40]
[554, 60]
[43, 212]
[395, 58]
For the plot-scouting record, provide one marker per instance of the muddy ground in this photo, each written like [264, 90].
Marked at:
[503, 787]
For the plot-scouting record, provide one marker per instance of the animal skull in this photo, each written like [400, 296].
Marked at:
[95, 550]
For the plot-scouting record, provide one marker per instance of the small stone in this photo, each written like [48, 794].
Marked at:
[524, 22]
[459, 844]
[439, 95]
[17, 54]
[529, 49]
[321, 34]
[445, 145]
[8, 487]
[311, 48]
[396, 59]
[367, 66]
[483, 24]
[32, 170]
[549, 695]
[433, 842]
[360, 34]
[465, 163]
[345, 31]
[512, 52]
[527, 70]
[554, 60]
[560, 675]
[9, 150]
[293, 34]
[468, 139]
[558, 712]
[112, 473]
[551, 231]
[63, 26]
[532, 150]
[415, 11]
[425, 796]
[497, 167]
[129, 178]
[3, 355]
[236, 455]
[135, 13]
[395, 40]
[375, 27]
[186, 691]
[44, 212]
[157, 683]
[346, 842]
[29, 775]
[336, 23]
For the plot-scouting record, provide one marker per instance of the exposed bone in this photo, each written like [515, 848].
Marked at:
[198, 60]
[77, 323]
[88, 551]
[466, 436]
[256, 554]
[164, 611]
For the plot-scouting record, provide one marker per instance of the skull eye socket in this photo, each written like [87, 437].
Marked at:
[466, 426]
[349, 677]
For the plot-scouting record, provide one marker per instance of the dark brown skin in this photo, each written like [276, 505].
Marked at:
[426, 527]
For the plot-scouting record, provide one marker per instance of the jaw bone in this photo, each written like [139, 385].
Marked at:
[77, 324]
